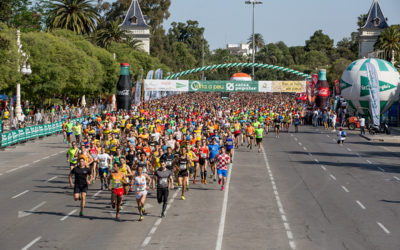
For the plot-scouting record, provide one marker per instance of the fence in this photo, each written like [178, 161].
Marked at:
[24, 134]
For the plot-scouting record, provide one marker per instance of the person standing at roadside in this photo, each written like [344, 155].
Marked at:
[362, 125]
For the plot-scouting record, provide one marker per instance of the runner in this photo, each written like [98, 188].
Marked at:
[115, 184]
[229, 144]
[183, 163]
[277, 123]
[213, 149]
[222, 160]
[83, 177]
[141, 188]
[77, 132]
[164, 179]
[104, 163]
[250, 135]
[69, 130]
[259, 137]
[72, 156]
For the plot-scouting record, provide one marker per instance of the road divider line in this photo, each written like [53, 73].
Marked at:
[52, 178]
[18, 195]
[11, 170]
[360, 204]
[369, 161]
[323, 167]
[68, 215]
[31, 211]
[381, 169]
[36, 161]
[31, 243]
[333, 140]
[295, 139]
[397, 178]
[300, 144]
[316, 160]
[305, 148]
[327, 135]
[309, 154]
[348, 149]
[358, 155]
[332, 176]
[47, 157]
[286, 224]
[97, 193]
[62, 151]
[221, 227]
[345, 189]
[383, 227]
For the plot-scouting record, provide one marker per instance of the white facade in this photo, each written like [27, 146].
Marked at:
[242, 49]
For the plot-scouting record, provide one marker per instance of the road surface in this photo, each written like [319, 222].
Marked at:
[303, 191]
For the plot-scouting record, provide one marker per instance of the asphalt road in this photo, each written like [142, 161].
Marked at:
[304, 191]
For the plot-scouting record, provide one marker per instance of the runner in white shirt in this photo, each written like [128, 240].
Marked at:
[104, 163]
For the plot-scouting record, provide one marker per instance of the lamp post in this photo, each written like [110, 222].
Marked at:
[253, 2]
[24, 70]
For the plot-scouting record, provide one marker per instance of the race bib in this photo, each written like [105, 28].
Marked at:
[182, 166]
[163, 181]
[169, 163]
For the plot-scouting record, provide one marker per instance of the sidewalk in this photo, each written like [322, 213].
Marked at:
[394, 137]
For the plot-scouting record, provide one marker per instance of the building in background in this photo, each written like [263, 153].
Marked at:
[374, 24]
[136, 26]
[242, 49]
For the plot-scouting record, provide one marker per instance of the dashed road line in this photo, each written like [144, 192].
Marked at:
[52, 178]
[323, 167]
[18, 195]
[11, 170]
[383, 227]
[369, 161]
[358, 155]
[348, 149]
[300, 144]
[332, 176]
[333, 140]
[381, 169]
[22, 214]
[345, 189]
[47, 157]
[68, 215]
[360, 204]
[295, 139]
[327, 136]
[309, 154]
[289, 233]
[97, 193]
[397, 178]
[36, 161]
[31, 243]
[305, 148]
[316, 160]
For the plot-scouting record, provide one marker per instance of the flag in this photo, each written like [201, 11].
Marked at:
[374, 100]
[147, 94]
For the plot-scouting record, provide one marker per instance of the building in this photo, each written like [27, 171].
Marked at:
[242, 49]
[374, 24]
[136, 26]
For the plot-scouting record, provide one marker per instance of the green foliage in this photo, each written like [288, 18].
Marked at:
[258, 41]
[8, 58]
[320, 42]
[76, 15]
[389, 41]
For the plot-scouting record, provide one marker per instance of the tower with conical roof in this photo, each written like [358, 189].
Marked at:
[136, 26]
[375, 23]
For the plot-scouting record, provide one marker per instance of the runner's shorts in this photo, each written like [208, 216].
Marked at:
[222, 172]
[258, 140]
[202, 161]
[80, 188]
[212, 160]
[228, 148]
[183, 173]
[118, 191]
[103, 171]
[191, 170]
[140, 194]
[69, 133]
[162, 195]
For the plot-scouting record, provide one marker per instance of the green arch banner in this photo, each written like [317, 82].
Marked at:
[238, 65]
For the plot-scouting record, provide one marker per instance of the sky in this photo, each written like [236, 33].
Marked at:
[290, 21]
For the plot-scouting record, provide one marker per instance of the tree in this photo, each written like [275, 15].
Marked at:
[258, 41]
[389, 41]
[361, 19]
[76, 15]
[319, 42]
[347, 48]
[113, 33]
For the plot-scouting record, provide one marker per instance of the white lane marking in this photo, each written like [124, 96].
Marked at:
[327, 135]
[52, 178]
[358, 155]
[316, 160]
[289, 233]
[348, 149]
[300, 144]
[360, 204]
[369, 161]
[97, 193]
[11, 170]
[381, 169]
[54, 154]
[383, 227]
[158, 221]
[332, 176]
[333, 140]
[44, 158]
[1, 174]
[323, 167]
[291, 134]
[295, 139]
[68, 215]
[62, 151]
[309, 154]
[397, 178]
[18, 195]
[305, 148]
[31, 243]
[345, 189]
[223, 213]
[36, 161]
[29, 212]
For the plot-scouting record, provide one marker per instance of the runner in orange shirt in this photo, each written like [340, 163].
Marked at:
[250, 135]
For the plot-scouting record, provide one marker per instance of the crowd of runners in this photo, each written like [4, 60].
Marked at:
[172, 142]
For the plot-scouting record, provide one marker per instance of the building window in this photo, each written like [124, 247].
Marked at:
[133, 20]
[377, 21]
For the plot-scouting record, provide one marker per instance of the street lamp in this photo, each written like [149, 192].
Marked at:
[25, 70]
[253, 2]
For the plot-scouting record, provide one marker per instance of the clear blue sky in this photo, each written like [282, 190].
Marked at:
[291, 21]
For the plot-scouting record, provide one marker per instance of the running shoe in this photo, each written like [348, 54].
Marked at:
[194, 181]
[102, 187]
[205, 181]
[117, 216]
[222, 188]
[141, 218]
[215, 179]
[93, 181]
[80, 214]
[113, 205]
[162, 215]
[219, 182]
[202, 181]
[183, 198]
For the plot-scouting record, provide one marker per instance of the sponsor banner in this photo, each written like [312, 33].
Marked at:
[289, 86]
[166, 85]
[265, 86]
[223, 86]
[374, 99]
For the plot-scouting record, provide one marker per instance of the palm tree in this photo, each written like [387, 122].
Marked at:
[112, 33]
[361, 20]
[258, 41]
[76, 15]
[389, 41]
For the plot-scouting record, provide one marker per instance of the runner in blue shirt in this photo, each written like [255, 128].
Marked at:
[213, 149]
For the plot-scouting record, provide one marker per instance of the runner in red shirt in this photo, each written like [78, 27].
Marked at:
[222, 160]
